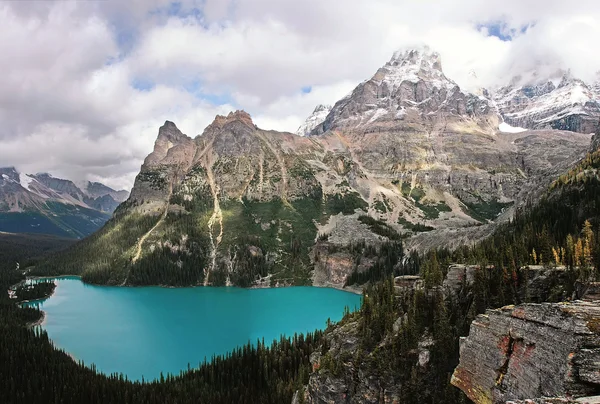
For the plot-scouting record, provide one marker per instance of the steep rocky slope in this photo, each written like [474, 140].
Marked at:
[41, 203]
[595, 145]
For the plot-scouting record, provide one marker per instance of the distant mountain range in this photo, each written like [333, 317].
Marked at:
[41, 203]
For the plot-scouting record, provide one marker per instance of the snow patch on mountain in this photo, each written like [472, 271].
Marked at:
[506, 128]
[314, 120]
[25, 180]
[378, 113]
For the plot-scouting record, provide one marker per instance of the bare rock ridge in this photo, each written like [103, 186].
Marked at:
[532, 351]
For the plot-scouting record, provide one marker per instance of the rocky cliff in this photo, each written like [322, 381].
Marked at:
[531, 351]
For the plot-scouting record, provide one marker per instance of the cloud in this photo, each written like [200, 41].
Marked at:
[87, 84]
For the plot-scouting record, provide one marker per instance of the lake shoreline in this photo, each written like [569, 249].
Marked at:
[357, 290]
[298, 303]
[39, 322]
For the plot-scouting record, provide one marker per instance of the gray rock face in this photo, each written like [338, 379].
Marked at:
[531, 350]
[459, 276]
[167, 164]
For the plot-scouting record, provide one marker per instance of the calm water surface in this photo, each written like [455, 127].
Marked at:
[149, 330]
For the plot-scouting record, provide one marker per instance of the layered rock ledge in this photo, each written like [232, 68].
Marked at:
[532, 351]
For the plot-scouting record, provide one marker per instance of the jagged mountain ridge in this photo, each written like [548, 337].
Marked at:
[40, 203]
[243, 205]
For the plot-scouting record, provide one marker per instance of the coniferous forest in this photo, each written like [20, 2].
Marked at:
[561, 229]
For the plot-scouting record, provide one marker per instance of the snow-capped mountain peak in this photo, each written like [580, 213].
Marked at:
[421, 57]
[414, 65]
[410, 86]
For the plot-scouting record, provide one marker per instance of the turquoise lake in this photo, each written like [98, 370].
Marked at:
[148, 330]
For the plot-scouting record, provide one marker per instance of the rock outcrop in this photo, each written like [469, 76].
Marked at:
[459, 276]
[531, 351]
[347, 383]
[536, 283]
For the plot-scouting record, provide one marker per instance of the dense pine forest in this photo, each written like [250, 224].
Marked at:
[33, 371]
[561, 229]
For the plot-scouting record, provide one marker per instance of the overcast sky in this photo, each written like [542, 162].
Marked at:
[86, 84]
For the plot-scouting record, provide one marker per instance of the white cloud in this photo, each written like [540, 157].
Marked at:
[68, 105]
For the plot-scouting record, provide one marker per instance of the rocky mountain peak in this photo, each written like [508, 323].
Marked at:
[169, 136]
[8, 174]
[411, 86]
[422, 57]
[321, 108]
[234, 116]
[170, 132]
[414, 65]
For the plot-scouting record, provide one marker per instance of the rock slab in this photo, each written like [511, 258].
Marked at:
[531, 351]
